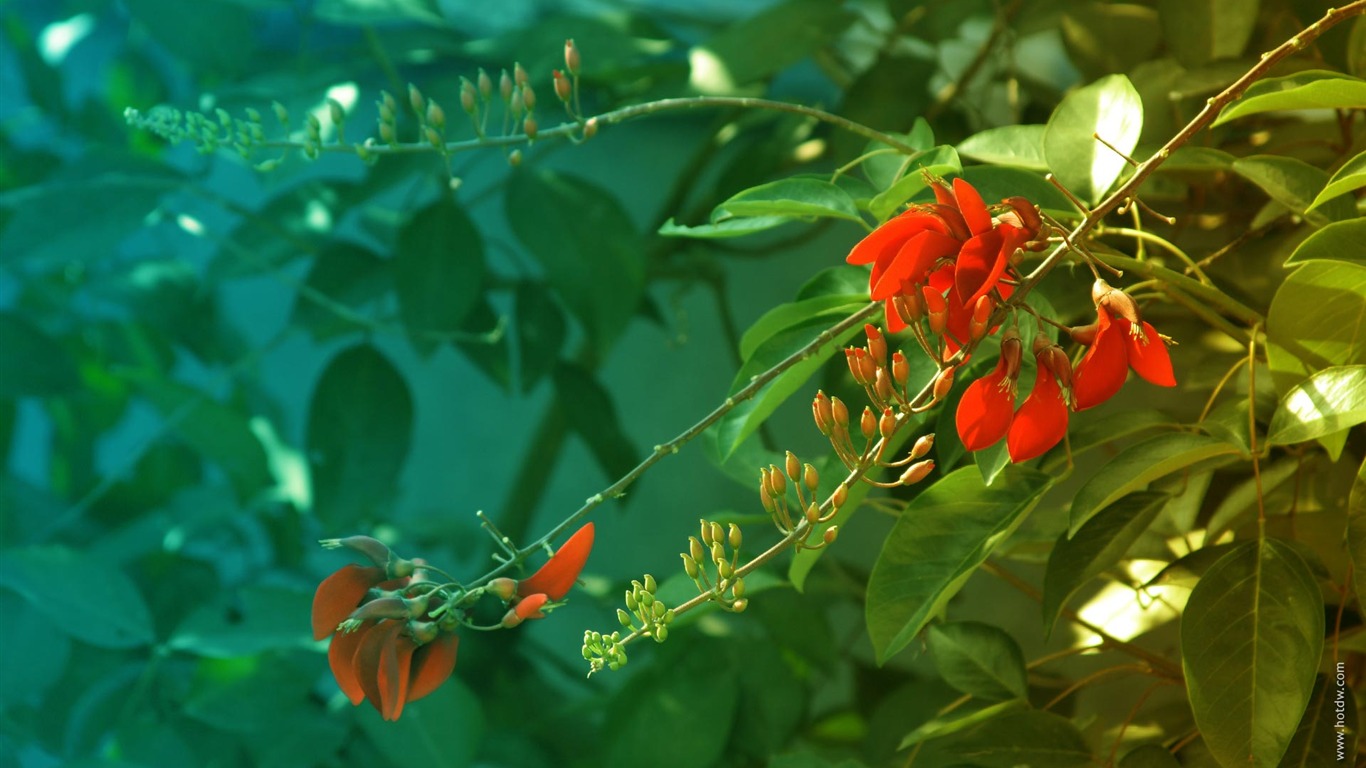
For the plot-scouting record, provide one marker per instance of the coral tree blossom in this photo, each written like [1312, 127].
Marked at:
[1119, 340]
[953, 248]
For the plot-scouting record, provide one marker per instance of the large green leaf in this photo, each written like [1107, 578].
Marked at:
[1310, 89]
[1339, 241]
[81, 595]
[1350, 177]
[938, 542]
[938, 161]
[1294, 184]
[1317, 319]
[1138, 465]
[1109, 37]
[723, 228]
[585, 241]
[1331, 400]
[438, 271]
[344, 278]
[784, 316]
[360, 422]
[259, 618]
[1251, 637]
[979, 659]
[443, 730]
[589, 410]
[798, 197]
[1149, 756]
[1109, 108]
[1328, 731]
[35, 364]
[220, 433]
[1014, 738]
[694, 692]
[1201, 31]
[1092, 550]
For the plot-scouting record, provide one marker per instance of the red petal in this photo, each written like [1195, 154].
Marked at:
[395, 672]
[558, 575]
[894, 321]
[911, 263]
[1041, 421]
[1103, 369]
[970, 203]
[985, 411]
[1149, 357]
[884, 241]
[530, 608]
[432, 664]
[959, 321]
[979, 266]
[341, 657]
[338, 596]
[370, 657]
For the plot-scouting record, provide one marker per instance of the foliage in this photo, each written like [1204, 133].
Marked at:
[273, 272]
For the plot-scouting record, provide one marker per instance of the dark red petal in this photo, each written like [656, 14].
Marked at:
[432, 664]
[1149, 357]
[341, 657]
[394, 675]
[370, 653]
[1041, 421]
[558, 575]
[338, 596]
[911, 263]
[1105, 365]
[985, 411]
[970, 203]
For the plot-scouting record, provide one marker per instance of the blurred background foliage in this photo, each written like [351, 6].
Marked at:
[205, 368]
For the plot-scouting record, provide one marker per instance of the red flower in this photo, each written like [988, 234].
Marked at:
[339, 594]
[559, 573]
[1041, 421]
[954, 245]
[988, 404]
[1118, 345]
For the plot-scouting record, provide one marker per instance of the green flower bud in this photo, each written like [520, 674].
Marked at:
[624, 618]
[650, 585]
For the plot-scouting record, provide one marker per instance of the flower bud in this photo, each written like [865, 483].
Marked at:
[519, 74]
[650, 585]
[882, 385]
[436, 116]
[485, 85]
[718, 552]
[917, 472]
[851, 355]
[434, 137]
[571, 57]
[981, 313]
[706, 533]
[335, 111]
[813, 513]
[821, 412]
[868, 423]
[1084, 334]
[922, 446]
[766, 491]
[943, 383]
[717, 535]
[811, 477]
[831, 534]
[1011, 350]
[590, 128]
[793, 467]
[529, 127]
[502, 588]
[740, 605]
[738, 588]
[624, 618]
[1116, 301]
[839, 412]
[867, 367]
[528, 97]
[660, 634]
[886, 426]
[910, 307]
[416, 100]
[936, 309]
[281, 113]
[387, 133]
[373, 549]
[564, 90]
[840, 496]
[469, 97]
[901, 370]
[877, 344]
[689, 566]
[630, 599]
[515, 158]
[778, 482]
[733, 536]
[423, 632]
[505, 87]
[695, 548]
[380, 608]
[1052, 357]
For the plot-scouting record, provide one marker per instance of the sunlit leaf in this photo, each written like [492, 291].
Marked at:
[1097, 546]
[1138, 465]
[756, 47]
[1201, 31]
[940, 539]
[62, 583]
[1329, 401]
[979, 659]
[797, 197]
[938, 161]
[1310, 89]
[1251, 637]
[1339, 241]
[1316, 321]
[724, 228]
[1020, 146]
[360, 421]
[1109, 108]
[1350, 177]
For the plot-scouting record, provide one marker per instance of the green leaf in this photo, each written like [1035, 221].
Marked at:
[1251, 638]
[36, 652]
[884, 168]
[798, 197]
[591, 414]
[1331, 400]
[765, 43]
[959, 720]
[1197, 160]
[35, 364]
[83, 596]
[218, 432]
[444, 730]
[1014, 738]
[1349, 178]
[1020, 146]
[438, 271]
[1339, 241]
[998, 183]
[1149, 756]
[939, 161]
[540, 332]
[289, 225]
[979, 659]
[1095, 548]
[1201, 31]
[1331, 705]
[585, 241]
[1294, 184]
[1109, 108]
[343, 280]
[215, 39]
[248, 694]
[784, 316]
[746, 417]
[360, 422]
[1109, 37]
[1138, 465]
[1092, 429]
[938, 542]
[1356, 532]
[737, 227]
[257, 619]
[1317, 319]
[695, 691]
[1310, 89]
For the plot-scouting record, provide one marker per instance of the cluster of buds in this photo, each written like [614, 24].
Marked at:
[208, 134]
[645, 614]
[603, 651]
[728, 591]
[805, 484]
